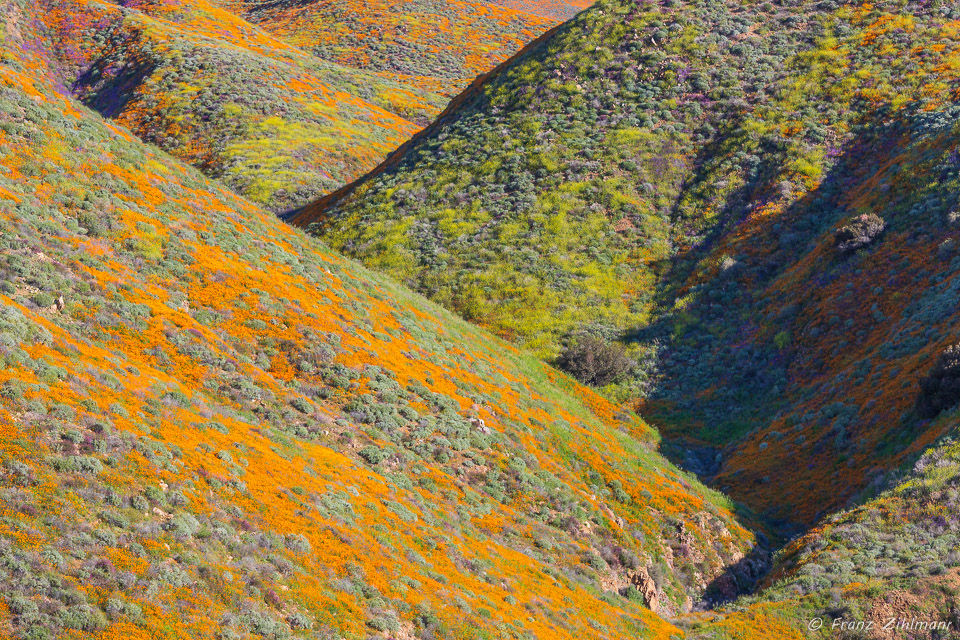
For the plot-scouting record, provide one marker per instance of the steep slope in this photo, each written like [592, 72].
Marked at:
[275, 124]
[581, 148]
[682, 170]
[210, 425]
[432, 45]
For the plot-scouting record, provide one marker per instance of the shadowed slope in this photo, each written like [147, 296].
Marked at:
[821, 353]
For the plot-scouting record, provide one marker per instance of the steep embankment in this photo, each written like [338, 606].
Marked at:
[209, 424]
[672, 176]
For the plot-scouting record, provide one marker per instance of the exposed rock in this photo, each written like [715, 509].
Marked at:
[726, 588]
[643, 583]
[688, 547]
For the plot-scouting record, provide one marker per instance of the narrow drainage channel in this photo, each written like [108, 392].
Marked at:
[744, 576]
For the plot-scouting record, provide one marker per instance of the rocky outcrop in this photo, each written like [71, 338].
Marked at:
[643, 583]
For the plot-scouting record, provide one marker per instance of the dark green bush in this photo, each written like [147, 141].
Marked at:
[940, 389]
[594, 361]
[42, 300]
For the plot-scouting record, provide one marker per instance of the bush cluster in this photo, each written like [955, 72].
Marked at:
[595, 361]
[940, 389]
[860, 232]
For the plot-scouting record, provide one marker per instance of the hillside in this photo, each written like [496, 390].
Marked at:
[892, 558]
[888, 569]
[430, 45]
[582, 148]
[673, 177]
[265, 108]
[559, 9]
[274, 123]
[212, 425]
[822, 352]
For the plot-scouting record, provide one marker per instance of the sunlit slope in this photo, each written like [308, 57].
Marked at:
[273, 123]
[543, 206]
[438, 45]
[210, 424]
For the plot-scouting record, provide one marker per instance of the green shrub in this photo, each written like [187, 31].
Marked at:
[301, 405]
[42, 300]
[861, 231]
[297, 620]
[940, 389]
[77, 464]
[83, 617]
[594, 361]
[373, 454]
[297, 543]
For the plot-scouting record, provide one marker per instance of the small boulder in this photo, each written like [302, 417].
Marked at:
[643, 583]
